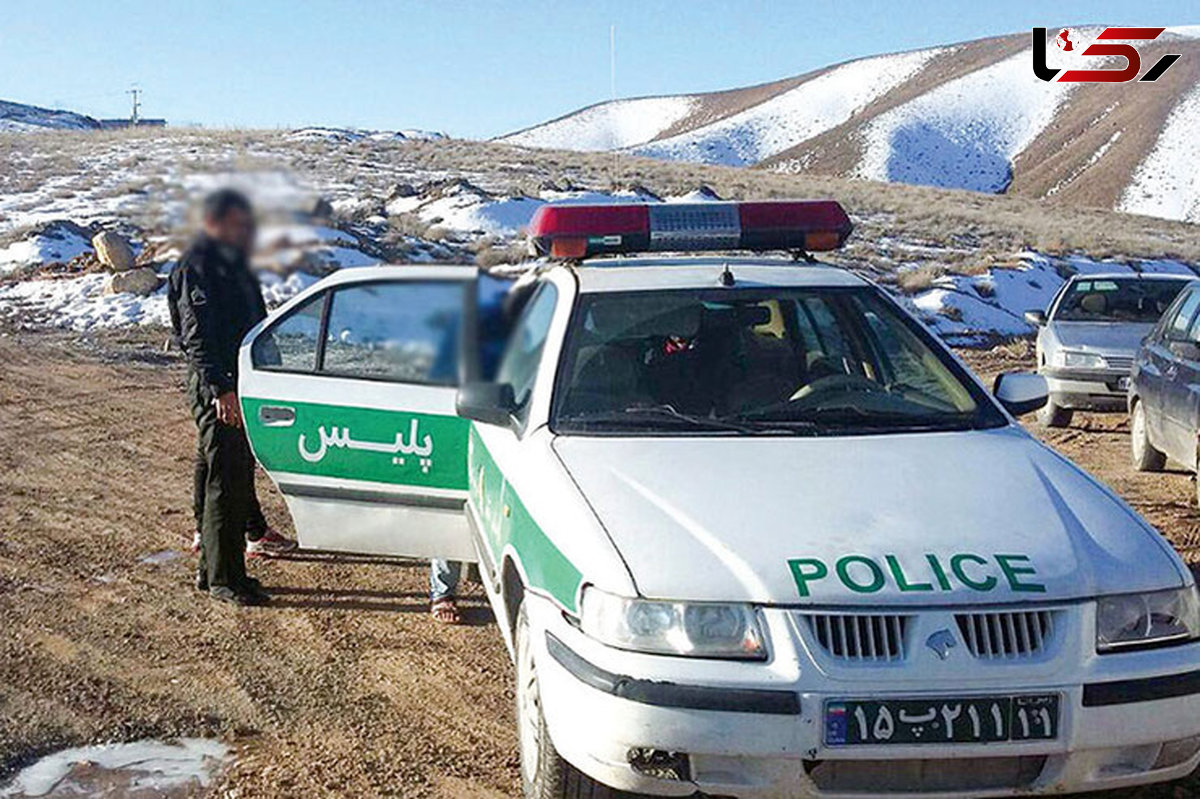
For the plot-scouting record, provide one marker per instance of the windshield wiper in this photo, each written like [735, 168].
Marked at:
[890, 420]
[641, 415]
[708, 422]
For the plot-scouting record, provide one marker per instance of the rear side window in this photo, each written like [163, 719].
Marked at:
[404, 332]
[291, 345]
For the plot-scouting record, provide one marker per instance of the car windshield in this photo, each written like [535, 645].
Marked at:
[777, 361]
[1117, 300]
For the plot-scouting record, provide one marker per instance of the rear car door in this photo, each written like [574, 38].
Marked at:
[348, 398]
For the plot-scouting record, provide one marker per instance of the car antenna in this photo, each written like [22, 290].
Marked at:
[727, 279]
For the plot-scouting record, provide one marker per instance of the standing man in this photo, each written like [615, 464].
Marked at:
[214, 301]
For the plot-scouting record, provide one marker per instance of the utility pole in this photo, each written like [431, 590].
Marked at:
[135, 117]
[612, 93]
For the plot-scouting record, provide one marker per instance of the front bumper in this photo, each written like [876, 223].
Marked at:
[1126, 719]
[1085, 390]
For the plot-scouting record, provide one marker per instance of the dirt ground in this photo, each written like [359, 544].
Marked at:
[344, 686]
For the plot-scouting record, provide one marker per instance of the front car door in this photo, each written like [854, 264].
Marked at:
[1183, 406]
[348, 398]
[1175, 430]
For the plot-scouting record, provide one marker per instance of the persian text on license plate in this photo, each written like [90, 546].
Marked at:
[976, 719]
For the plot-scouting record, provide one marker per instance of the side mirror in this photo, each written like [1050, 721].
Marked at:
[490, 403]
[1021, 392]
[1187, 350]
[1036, 318]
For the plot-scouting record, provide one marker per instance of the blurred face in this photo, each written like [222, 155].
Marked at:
[235, 229]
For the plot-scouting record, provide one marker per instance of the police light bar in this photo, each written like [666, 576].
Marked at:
[578, 231]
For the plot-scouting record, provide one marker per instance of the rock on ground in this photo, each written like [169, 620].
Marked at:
[113, 251]
[142, 281]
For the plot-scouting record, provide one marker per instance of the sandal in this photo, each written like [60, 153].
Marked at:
[445, 611]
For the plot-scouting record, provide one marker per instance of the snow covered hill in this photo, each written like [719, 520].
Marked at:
[969, 116]
[17, 118]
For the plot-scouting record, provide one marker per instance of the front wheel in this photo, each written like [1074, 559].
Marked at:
[1051, 415]
[1146, 458]
[544, 773]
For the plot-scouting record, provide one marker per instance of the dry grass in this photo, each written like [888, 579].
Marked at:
[918, 279]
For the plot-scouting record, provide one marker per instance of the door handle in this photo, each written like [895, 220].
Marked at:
[276, 416]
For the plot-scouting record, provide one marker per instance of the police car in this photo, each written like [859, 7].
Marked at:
[747, 527]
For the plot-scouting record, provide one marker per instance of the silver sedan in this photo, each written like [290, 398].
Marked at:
[1089, 335]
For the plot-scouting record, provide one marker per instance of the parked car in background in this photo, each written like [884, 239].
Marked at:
[1164, 395]
[1088, 336]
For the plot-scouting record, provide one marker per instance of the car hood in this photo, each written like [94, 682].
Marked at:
[867, 520]
[1121, 338]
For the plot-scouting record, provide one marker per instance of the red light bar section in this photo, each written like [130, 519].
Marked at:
[577, 231]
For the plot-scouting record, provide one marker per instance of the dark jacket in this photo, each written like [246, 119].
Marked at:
[214, 300]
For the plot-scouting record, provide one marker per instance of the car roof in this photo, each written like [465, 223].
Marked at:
[1132, 276]
[649, 274]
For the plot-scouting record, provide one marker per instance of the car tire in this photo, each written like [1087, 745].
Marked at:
[1051, 415]
[544, 773]
[1146, 458]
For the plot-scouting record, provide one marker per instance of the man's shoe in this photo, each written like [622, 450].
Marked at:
[269, 545]
[224, 593]
[254, 588]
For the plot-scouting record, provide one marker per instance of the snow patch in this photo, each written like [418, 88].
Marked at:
[1167, 182]
[607, 126]
[967, 310]
[966, 133]
[19, 118]
[80, 304]
[790, 118]
[54, 245]
[347, 135]
[141, 768]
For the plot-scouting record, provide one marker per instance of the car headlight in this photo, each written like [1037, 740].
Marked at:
[1072, 359]
[1128, 621]
[696, 629]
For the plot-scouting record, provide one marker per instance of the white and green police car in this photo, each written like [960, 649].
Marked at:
[747, 527]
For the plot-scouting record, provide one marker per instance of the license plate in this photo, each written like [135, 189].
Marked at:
[976, 719]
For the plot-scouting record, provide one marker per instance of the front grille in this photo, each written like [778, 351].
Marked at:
[1014, 634]
[1120, 363]
[968, 774]
[860, 637]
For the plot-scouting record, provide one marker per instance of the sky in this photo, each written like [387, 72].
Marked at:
[470, 69]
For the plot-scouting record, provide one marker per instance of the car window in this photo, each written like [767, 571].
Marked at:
[813, 360]
[1117, 299]
[1193, 334]
[291, 343]
[400, 331]
[523, 354]
[1177, 327]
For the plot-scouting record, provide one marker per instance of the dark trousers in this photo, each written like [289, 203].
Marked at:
[256, 522]
[228, 489]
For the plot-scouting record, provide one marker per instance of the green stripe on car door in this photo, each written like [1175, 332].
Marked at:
[395, 447]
